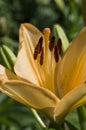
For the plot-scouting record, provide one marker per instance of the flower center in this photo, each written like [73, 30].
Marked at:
[39, 49]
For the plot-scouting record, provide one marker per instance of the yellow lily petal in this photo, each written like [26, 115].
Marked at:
[29, 37]
[23, 68]
[70, 71]
[33, 96]
[70, 101]
[31, 69]
[26, 92]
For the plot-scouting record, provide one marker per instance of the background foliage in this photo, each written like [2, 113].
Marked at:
[42, 13]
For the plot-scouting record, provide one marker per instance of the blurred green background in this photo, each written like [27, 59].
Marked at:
[41, 13]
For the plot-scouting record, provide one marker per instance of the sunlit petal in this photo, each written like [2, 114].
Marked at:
[27, 69]
[33, 96]
[70, 72]
[23, 68]
[70, 101]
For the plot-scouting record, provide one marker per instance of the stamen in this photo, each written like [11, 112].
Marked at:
[56, 54]
[35, 53]
[40, 44]
[42, 56]
[51, 43]
[38, 48]
[59, 46]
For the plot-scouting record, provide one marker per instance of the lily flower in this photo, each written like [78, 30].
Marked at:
[42, 79]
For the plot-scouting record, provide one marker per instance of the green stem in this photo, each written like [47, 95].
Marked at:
[82, 117]
[41, 123]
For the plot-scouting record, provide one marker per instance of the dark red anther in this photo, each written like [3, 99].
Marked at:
[42, 56]
[35, 53]
[56, 55]
[38, 48]
[59, 45]
[51, 43]
[40, 42]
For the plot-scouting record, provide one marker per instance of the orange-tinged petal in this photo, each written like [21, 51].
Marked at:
[25, 66]
[33, 96]
[30, 34]
[70, 71]
[73, 99]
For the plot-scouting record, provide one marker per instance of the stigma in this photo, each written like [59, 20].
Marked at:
[52, 47]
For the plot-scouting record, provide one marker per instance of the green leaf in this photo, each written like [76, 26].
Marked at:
[82, 116]
[72, 120]
[71, 126]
